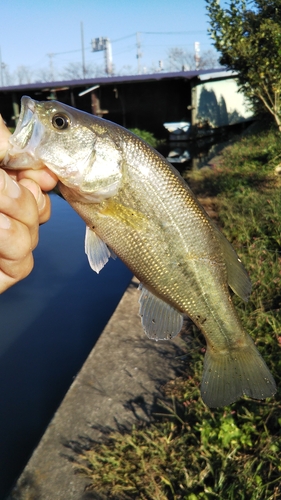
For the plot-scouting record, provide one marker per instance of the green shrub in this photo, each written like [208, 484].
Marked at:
[146, 136]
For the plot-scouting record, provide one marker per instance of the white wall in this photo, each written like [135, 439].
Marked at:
[219, 103]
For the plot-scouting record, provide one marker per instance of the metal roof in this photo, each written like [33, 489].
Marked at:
[209, 74]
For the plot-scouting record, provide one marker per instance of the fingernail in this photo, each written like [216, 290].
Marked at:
[8, 186]
[5, 222]
[41, 200]
[2, 179]
[13, 188]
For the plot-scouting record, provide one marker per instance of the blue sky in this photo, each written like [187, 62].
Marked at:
[32, 29]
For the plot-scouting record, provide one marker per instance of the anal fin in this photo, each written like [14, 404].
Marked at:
[97, 251]
[160, 321]
[238, 278]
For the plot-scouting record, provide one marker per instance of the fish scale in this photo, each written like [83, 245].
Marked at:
[138, 207]
[146, 251]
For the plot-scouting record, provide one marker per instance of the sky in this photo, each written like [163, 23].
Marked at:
[46, 34]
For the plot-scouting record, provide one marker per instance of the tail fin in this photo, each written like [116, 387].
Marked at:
[228, 376]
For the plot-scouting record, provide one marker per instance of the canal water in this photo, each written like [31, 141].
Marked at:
[49, 323]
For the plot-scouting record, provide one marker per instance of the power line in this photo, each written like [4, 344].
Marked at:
[124, 37]
[197, 32]
[67, 52]
[173, 32]
[134, 35]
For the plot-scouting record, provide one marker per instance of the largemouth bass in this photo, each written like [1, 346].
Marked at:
[137, 206]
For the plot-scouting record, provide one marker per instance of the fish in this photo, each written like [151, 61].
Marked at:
[137, 206]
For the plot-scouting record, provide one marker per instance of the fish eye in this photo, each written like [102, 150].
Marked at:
[60, 121]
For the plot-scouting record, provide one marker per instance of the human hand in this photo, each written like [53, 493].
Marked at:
[23, 206]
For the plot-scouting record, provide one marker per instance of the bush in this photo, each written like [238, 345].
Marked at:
[146, 136]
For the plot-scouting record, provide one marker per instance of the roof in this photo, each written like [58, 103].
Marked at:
[209, 74]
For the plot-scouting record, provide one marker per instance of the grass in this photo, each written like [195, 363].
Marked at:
[190, 452]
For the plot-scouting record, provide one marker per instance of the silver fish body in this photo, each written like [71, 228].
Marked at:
[138, 207]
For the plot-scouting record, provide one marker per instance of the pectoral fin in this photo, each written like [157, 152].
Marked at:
[97, 251]
[238, 278]
[160, 321]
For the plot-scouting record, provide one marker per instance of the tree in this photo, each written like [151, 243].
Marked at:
[7, 77]
[74, 71]
[248, 36]
[208, 60]
[45, 75]
[24, 74]
[180, 59]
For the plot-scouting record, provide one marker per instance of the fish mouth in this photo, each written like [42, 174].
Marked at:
[28, 132]
[26, 138]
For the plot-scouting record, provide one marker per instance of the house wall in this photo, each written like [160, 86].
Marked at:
[218, 103]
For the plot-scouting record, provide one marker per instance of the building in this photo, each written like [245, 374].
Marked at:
[187, 102]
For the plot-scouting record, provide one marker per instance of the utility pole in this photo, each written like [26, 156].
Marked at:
[197, 54]
[51, 55]
[139, 54]
[2, 66]
[99, 44]
[83, 50]
[108, 56]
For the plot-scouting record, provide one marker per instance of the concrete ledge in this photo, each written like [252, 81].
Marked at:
[117, 386]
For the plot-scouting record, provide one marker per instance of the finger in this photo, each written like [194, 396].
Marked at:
[19, 204]
[42, 199]
[15, 239]
[16, 260]
[46, 179]
[15, 272]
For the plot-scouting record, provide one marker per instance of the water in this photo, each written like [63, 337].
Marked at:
[194, 154]
[49, 324]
